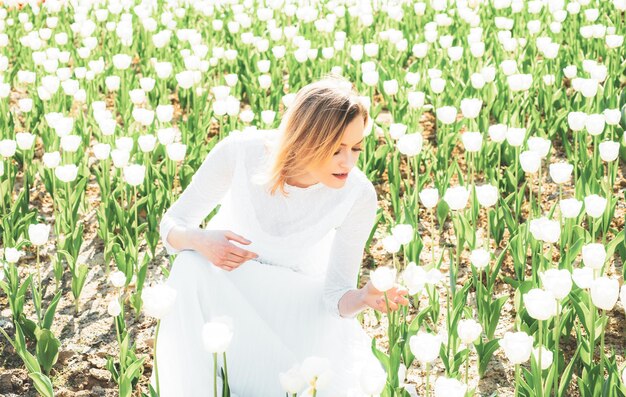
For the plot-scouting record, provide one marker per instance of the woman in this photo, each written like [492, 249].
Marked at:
[282, 265]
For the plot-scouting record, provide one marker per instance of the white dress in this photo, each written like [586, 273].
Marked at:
[284, 304]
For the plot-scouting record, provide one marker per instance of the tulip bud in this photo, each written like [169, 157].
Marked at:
[604, 292]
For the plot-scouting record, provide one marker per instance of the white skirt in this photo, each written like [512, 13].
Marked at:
[278, 321]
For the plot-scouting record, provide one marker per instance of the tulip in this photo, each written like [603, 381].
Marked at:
[446, 387]
[561, 172]
[546, 357]
[391, 244]
[134, 174]
[557, 281]
[7, 147]
[544, 229]
[165, 113]
[51, 159]
[292, 381]
[403, 233]
[469, 331]
[397, 130]
[38, 233]
[12, 255]
[383, 278]
[24, 140]
[497, 132]
[429, 197]
[480, 258]
[515, 136]
[570, 208]
[583, 277]
[487, 195]
[470, 107]
[117, 279]
[114, 308]
[158, 300]
[456, 197]
[373, 379]
[609, 150]
[530, 161]
[216, 337]
[517, 346]
[595, 205]
[612, 116]
[472, 141]
[446, 114]
[414, 278]
[66, 173]
[576, 120]
[176, 151]
[316, 372]
[410, 144]
[594, 255]
[540, 304]
[146, 142]
[604, 292]
[595, 124]
[425, 347]
[541, 146]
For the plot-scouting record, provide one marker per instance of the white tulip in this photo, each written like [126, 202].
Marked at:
[595, 124]
[612, 116]
[480, 258]
[396, 130]
[515, 136]
[540, 304]
[446, 114]
[316, 371]
[561, 172]
[595, 205]
[539, 145]
[517, 346]
[469, 330]
[429, 197]
[114, 308]
[134, 174]
[497, 132]
[403, 233]
[594, 255]
[609, 150]
[176, 151]
[117, 279]
[470, 107]
[557, 281]
[604, 292]
[7, 147]
[51, 159]
[583, 277]
[449, 387]
[165, 113]
[425, 347]
[216, 336]
[487, 195]
[410, 144]
[373, 378]
[456, 197]
[530, 161]
[38, 233]
[472, 141]
[570, 208]
[576, 120]
[292, 381]
[544, 229]
[66, 173]
[546, 357]
[383, 278]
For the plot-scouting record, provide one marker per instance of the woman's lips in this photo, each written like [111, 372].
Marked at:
[341, 176]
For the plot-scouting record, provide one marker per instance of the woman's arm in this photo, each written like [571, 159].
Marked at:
[179, 225]
[341, 296]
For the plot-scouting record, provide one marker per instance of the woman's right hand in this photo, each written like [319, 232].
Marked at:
[216, 247]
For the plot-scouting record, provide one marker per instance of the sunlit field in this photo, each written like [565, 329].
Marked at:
[497, 151]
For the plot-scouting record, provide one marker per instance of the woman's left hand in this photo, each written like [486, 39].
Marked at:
[396, 295]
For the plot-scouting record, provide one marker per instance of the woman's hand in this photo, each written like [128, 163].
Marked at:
[216, 247]
[397, 296]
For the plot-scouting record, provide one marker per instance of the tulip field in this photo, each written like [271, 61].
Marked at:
[496, 145]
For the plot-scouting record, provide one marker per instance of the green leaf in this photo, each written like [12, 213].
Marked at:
[42, 384]
[47, 349]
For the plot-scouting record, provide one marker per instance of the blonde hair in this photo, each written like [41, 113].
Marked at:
[311, 129]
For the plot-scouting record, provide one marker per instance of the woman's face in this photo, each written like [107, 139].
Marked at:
[341, 162]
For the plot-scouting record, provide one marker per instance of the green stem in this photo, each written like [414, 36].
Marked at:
[214, 374]
[156, 368]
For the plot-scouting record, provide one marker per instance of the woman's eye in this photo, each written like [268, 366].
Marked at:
[354, 150]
